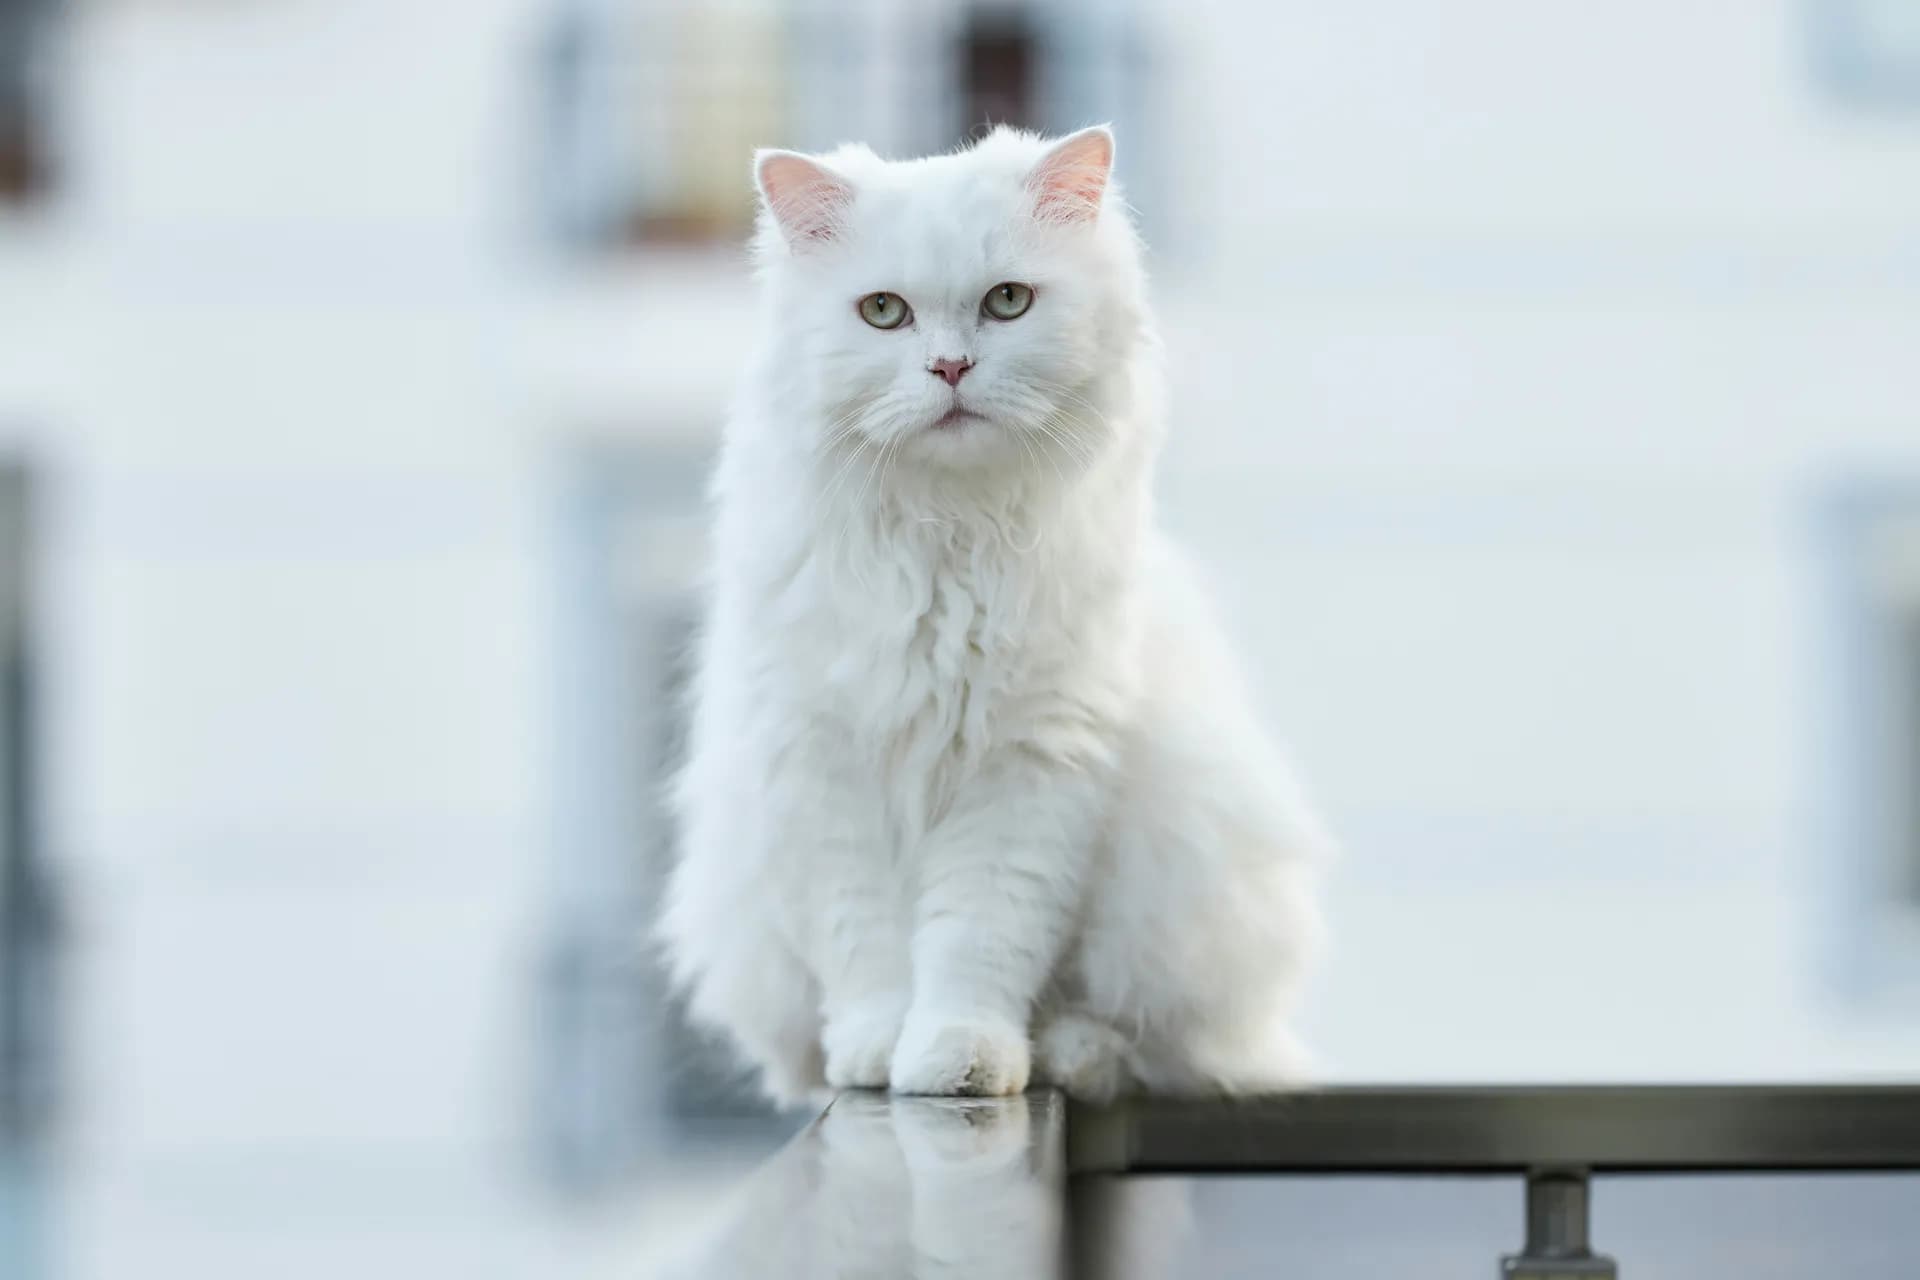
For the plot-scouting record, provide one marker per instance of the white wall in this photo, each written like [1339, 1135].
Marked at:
[1562, 317]
[296, 681]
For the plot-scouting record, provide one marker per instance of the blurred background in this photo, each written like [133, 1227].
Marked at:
[1546, 386]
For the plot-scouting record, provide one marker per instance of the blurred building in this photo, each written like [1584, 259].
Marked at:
[1546, 409]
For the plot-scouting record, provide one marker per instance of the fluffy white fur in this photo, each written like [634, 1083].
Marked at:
[974, 792]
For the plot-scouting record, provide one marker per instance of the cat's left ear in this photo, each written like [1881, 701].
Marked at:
[805, 197]
[1070, 179]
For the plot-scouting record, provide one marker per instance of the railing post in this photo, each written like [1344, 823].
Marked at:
[1557, 1231]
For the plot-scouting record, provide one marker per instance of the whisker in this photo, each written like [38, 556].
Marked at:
[854, 455]
[853, 511]
[1055, 437]
[1034, 456]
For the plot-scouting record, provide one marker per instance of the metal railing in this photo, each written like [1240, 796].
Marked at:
[1556, 1137]
[1607, 1129]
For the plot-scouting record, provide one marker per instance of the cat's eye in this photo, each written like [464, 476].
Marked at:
[1008, 301]
[885, 310]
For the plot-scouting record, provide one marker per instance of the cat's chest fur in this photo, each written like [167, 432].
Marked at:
[935, 630]
[903, 643]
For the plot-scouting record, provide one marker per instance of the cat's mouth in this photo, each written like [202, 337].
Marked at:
[955, 417]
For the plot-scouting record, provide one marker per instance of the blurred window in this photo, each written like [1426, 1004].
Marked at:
[999, 58]
[1877, 764]
[1867, 52]
[624, 1077]
[1903, 624]
[651, 109]
[26, 917]
[25, 162]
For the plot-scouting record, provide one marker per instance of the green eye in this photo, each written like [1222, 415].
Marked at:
[1008, 301]
[885, 310]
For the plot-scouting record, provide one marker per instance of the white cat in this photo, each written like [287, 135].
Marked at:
[974, 793]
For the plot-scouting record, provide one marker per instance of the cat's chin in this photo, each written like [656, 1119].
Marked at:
[962, 440]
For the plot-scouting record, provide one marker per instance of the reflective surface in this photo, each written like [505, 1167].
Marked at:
[898, 1188]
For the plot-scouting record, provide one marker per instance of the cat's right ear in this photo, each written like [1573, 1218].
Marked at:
[1071, 178]
[806, 199]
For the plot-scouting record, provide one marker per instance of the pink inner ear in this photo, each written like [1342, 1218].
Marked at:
[1070, 179]
[805, 197]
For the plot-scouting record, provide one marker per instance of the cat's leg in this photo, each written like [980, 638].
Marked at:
[1000, 881]
[784, 921]
[808, 977]
[833, 820]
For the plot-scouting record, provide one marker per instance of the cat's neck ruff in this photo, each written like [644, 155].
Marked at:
[1022, 504]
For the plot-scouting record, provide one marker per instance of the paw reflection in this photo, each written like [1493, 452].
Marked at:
[984, 1204]
[927, 1188]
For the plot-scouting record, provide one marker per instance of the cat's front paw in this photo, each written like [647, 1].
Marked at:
[968, 1055]
[859, 1044]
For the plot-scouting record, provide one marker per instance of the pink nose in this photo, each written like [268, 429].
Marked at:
[950, 371]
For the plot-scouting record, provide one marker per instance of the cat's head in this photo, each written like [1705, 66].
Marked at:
[960, 309]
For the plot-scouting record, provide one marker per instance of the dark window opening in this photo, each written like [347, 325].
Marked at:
[999, 60]
[26, 163]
